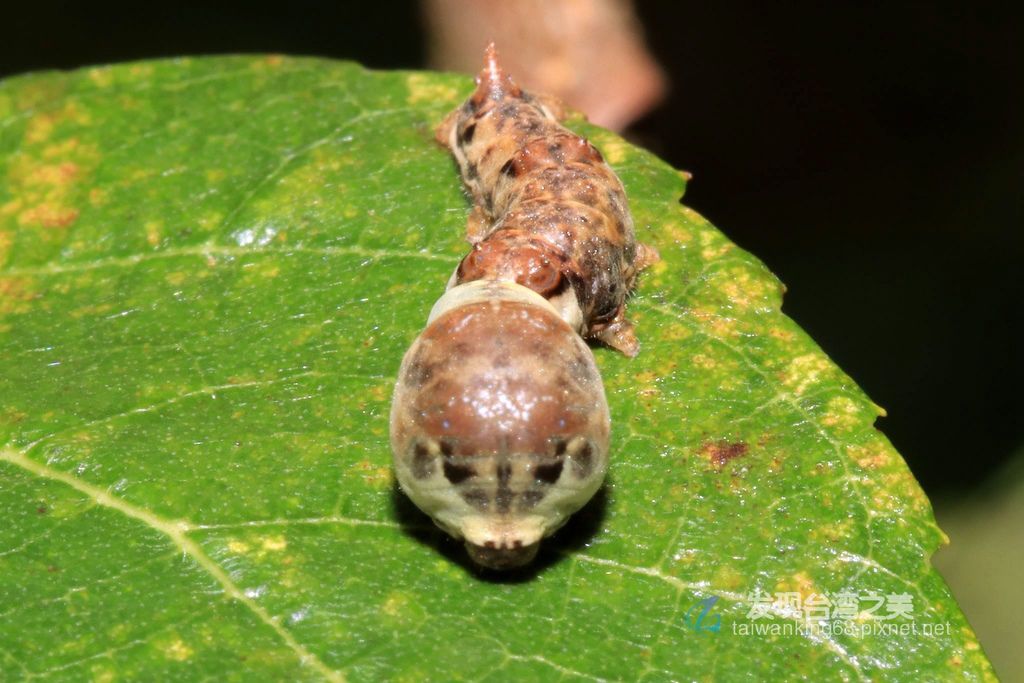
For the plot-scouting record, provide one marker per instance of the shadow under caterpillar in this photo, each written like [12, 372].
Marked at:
[499, 423]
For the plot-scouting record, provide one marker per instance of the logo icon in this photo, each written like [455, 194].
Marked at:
[697, 617]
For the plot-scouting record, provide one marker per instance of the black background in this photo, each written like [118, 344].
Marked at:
[871, 156]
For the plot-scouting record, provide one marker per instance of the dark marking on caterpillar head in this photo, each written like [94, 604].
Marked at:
[503, 497]
[456, 473]
[548, 472]
[422, 461]
[583, 460]
[478, 498]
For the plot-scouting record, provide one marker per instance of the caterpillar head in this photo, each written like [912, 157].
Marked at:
[499, 424]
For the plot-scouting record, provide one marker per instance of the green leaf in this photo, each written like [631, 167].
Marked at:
[209, 271]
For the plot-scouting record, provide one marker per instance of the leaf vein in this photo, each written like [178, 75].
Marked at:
[176, 532]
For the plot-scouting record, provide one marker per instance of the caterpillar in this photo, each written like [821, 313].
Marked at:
[499, 422]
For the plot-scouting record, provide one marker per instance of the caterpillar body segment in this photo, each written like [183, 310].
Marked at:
[548, 209]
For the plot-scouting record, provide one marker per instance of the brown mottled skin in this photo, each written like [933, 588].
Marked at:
[499, 423]
[548, 208]
[493, 349]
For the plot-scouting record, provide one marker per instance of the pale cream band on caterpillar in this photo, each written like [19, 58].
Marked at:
[499, 423]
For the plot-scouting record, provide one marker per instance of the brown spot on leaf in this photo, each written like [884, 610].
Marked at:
[722, 451]
[15, 294]
[53, 174]
[48, 216]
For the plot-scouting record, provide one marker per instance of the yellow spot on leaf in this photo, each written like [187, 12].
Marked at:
[102, 77]
[720, 326]
[141, 70]
[800, 583]
[832, 532]
[646, 383]
[705, 361]
[741, 289]
[177, 278]
[10, 208]
[210, 220]
[374, 475]
[5, 245]
[806, 370]
[60, 149]
[238, 547]
[395, 604]
[274, 543]
[677, 232]
[614, 149]
[714, 252]
[153, 232]
[268, 63]
[728, 577]
[91, 310]
[424, 88]
[178, 650]
[843, 414]
[40, 127]
[15, 293]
